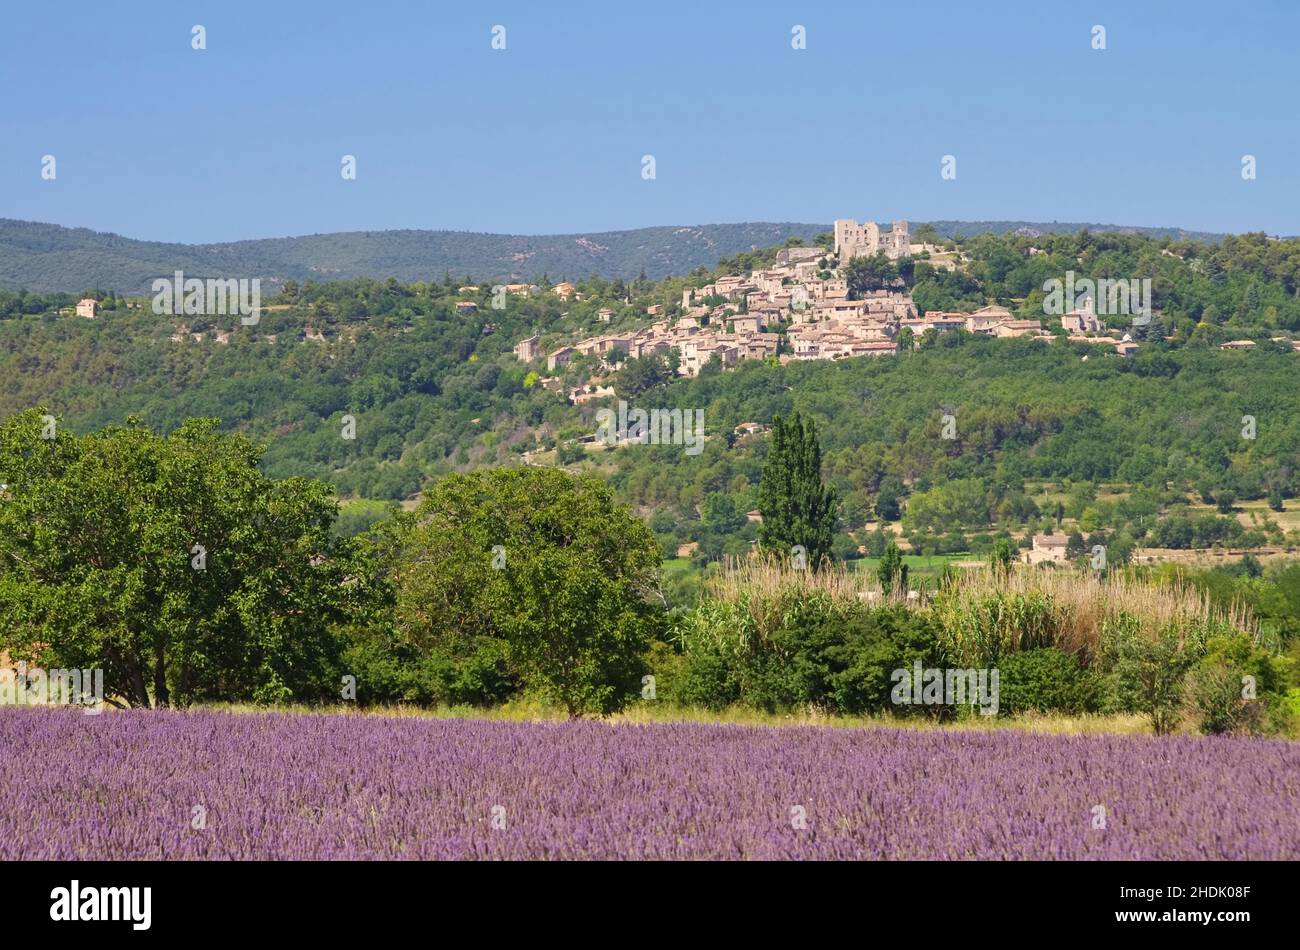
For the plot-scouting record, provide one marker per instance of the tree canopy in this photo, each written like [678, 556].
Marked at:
[798, 509]
[171, 562]
[534, 566]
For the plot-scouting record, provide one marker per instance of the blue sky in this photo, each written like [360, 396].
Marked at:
[244, 139]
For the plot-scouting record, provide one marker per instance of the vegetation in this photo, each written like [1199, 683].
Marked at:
[509, 577]
[312, 573]
[48, 257]
[171, 563]
[1146, 452]
[175, 565]
[1071, 644]
[798, 510]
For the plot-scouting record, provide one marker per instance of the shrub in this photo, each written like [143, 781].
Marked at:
[766, 651]
[1145, 671]
[388, 672]
[668, 667]
[570, 453]
[1290, 703]
[1235, 685]
[772, 638]
[876, 642]
[709, 678]
[1216, 695]
[801, 648]
[1045, 680]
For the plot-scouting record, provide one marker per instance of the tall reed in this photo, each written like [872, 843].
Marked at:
[984, 612]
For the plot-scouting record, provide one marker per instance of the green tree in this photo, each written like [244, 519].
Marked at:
[172, 563]
[1250, 302]
[641, 376]
[890, 570]
[797, 508]
[1074, 546]
[867, 273]
[887, 499]
[539, 563]
[1275, 498]
[1003, 555]
[1146, 669]
[720, 513]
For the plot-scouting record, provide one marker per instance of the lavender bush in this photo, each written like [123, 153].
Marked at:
[131, 785]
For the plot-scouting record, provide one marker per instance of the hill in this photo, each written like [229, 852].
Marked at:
[950, 229]
[48, 257]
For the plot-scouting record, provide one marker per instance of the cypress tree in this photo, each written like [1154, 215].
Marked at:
[892, 572]
[797, 507]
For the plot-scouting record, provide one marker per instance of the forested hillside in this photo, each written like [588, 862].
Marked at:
[48, 258]
[957, 445]
[1131, 449]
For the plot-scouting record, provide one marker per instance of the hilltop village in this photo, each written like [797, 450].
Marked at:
[801, 308]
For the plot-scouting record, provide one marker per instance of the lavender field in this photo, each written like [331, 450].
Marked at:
[206, 785]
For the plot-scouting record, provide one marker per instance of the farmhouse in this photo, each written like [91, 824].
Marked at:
[1047, 548]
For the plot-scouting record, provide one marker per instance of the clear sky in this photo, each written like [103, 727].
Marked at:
[156, 140]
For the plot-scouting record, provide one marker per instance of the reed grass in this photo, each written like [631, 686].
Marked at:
[983, 611]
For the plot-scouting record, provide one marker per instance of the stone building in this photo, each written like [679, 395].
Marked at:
[1047, 547]
[528, 350]
[863, 240]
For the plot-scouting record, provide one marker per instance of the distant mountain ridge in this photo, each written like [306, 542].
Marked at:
[50, 257]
